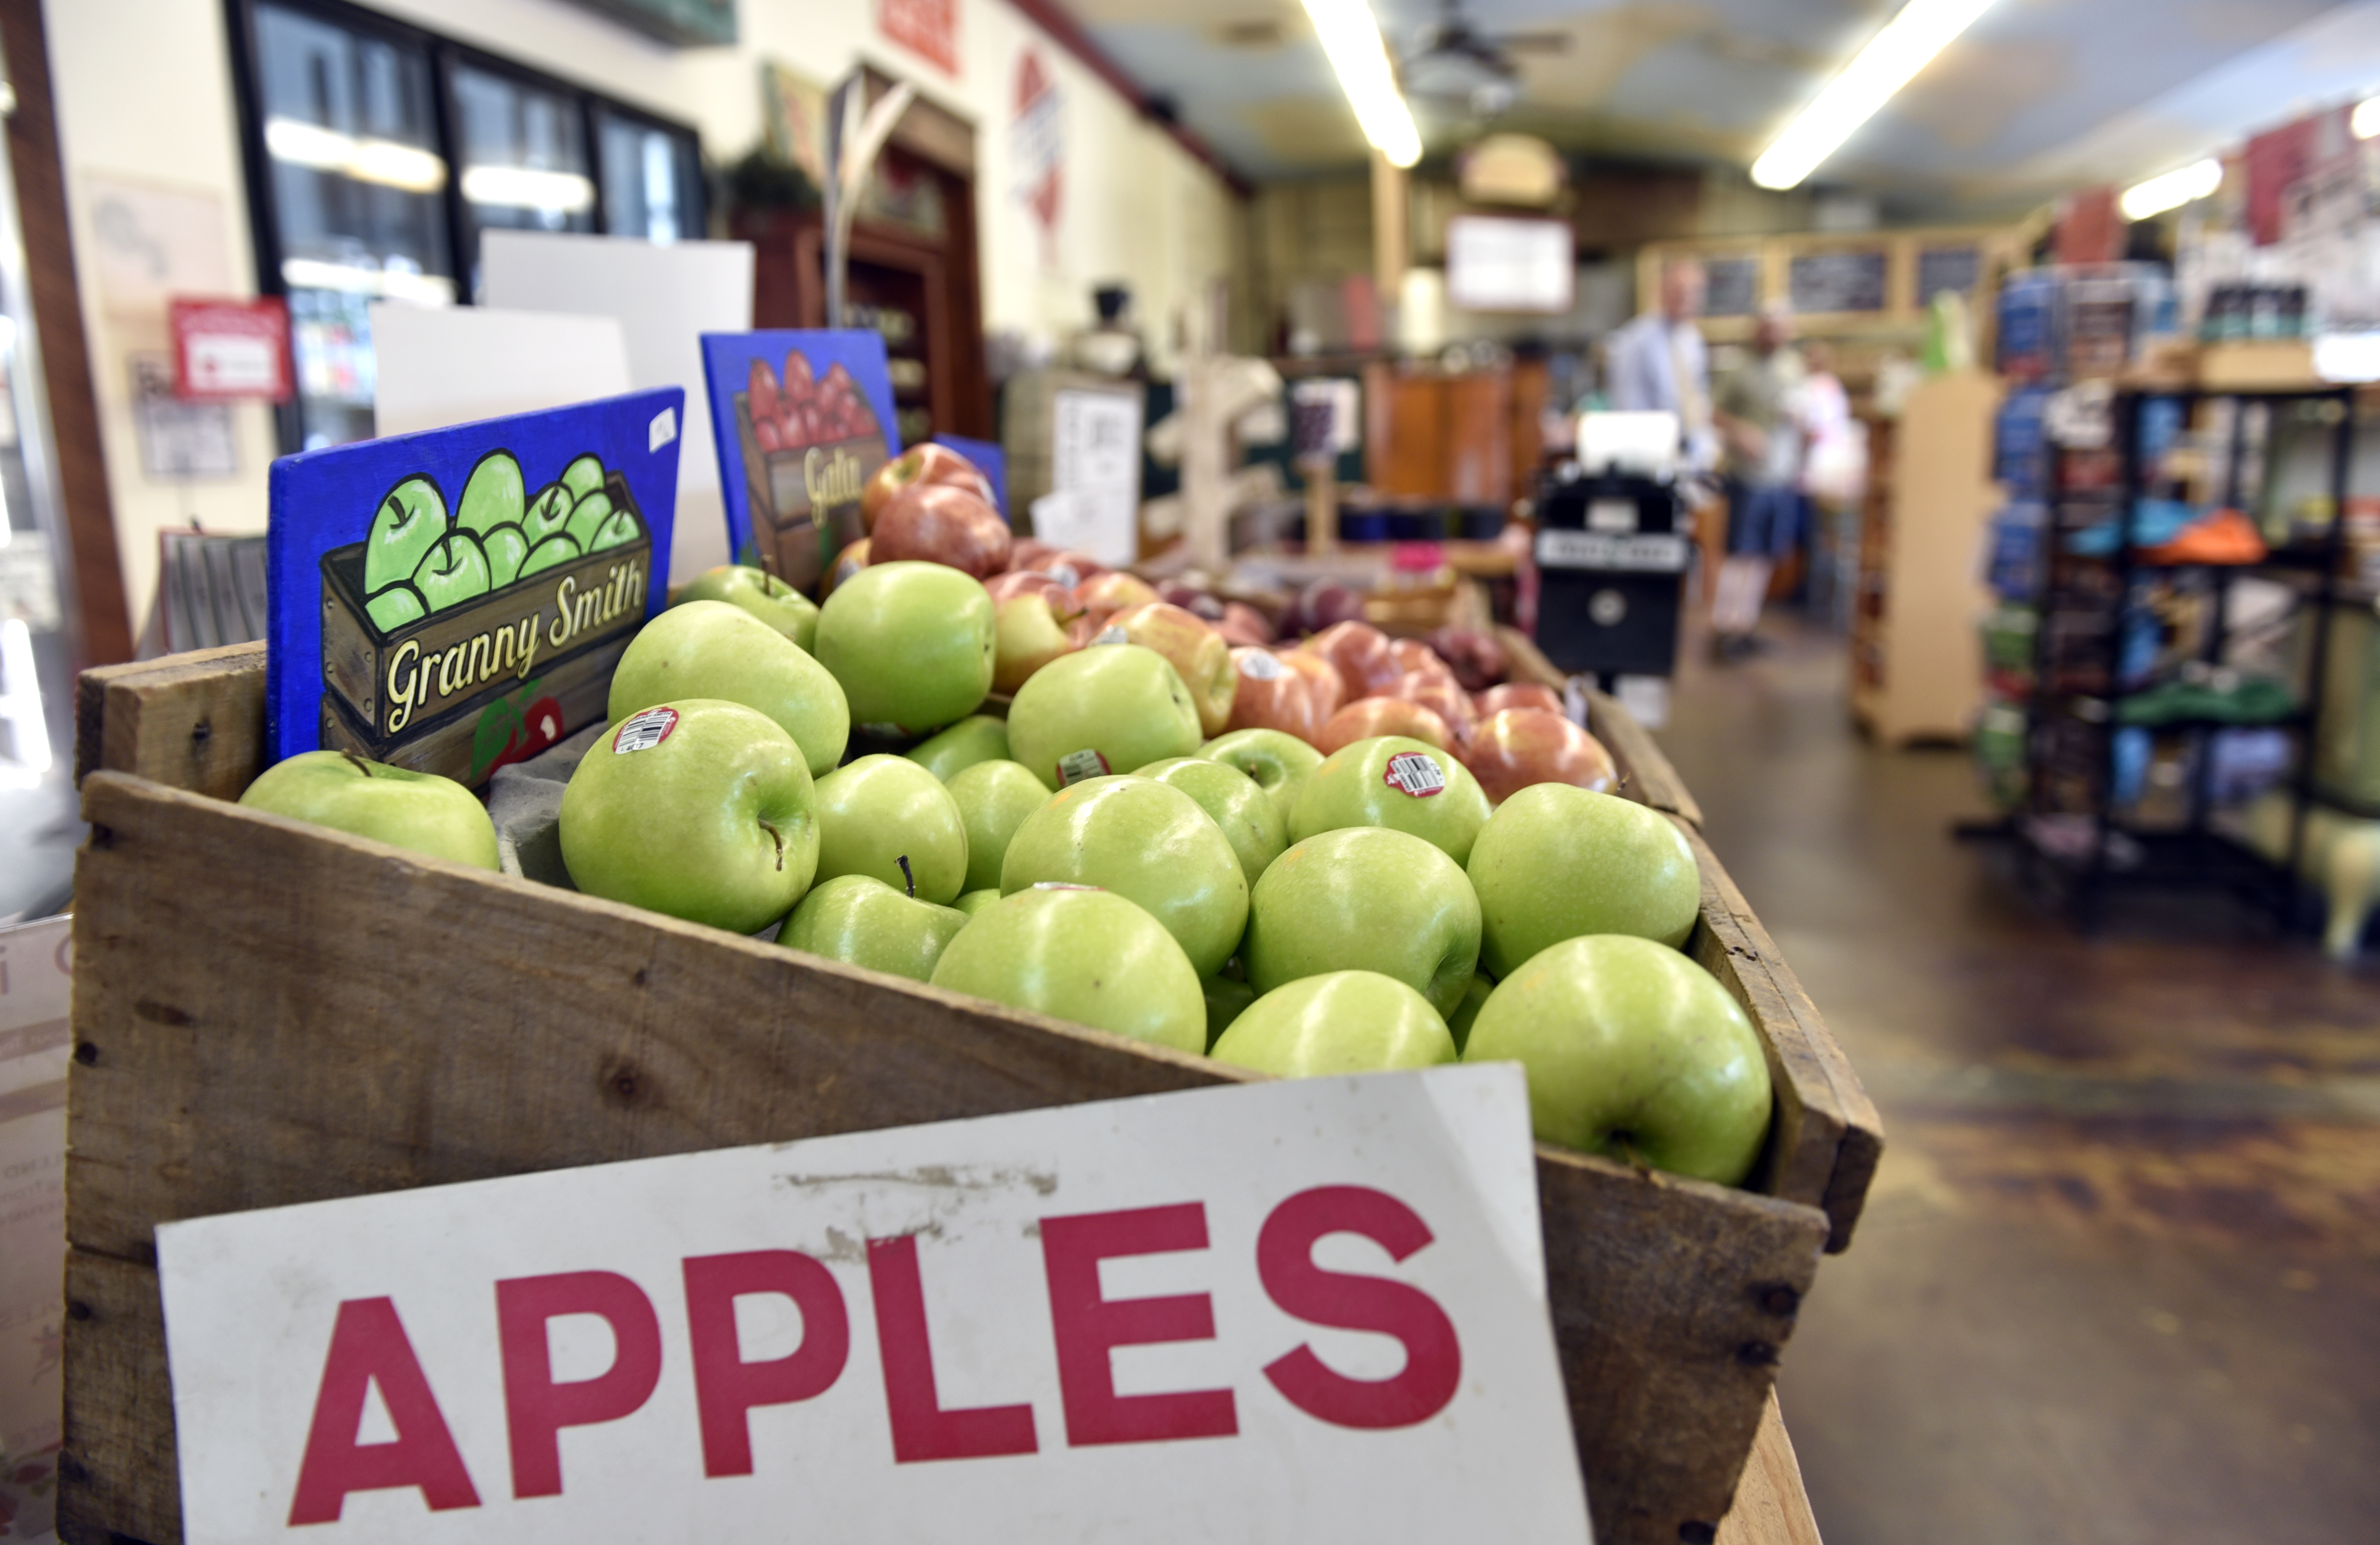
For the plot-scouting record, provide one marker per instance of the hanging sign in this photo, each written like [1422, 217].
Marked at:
[802, 421]
[929, 29]
[454, 601]
[1036, 146]
[1283, 1312]
[230, 350]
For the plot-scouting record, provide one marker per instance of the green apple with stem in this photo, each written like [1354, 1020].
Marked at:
[912, 644]
[1341, 1022]
[1231, 799]
[866, 922]
[1278, 762]
[456, 571]
[947, 753]
[759, 592]
[411, 520]
[709, 648]
[1226, 1001]
[700, 809]
[1148, 843]
[547, 514]
[1556, 861]
[418, 811]
[589, 517]
[890, 820]
[1634, 1052]
[993, 799]
[972, 902]
[1407, 786]
[1080, 954]
[1364, 899]
[1475, 992]
[1098, 711]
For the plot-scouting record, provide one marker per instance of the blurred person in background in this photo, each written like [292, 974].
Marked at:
[1757, 413]
[1657, 364]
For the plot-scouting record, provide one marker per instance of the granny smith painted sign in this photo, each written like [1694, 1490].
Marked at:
[1294, 1311]
[802, 421]
[452, 601]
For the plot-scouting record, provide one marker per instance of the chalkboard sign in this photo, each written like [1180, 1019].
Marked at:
[1947, 268]
[1732, 287]
[1833, 282]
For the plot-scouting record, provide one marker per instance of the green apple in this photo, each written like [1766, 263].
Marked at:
[456, 571]
[507, 548]
[418, 811]
[1556, 861]
[708, 649]
[548, 513]
[1232, 799]
[411, 520]
[1084, 954]
[1101, 710]
[890, 820]
[977, 737]
[866, 922]
[1148, 842]
[492, 496]
[1277, 761]
[589, 517]
[993, 798]
[911, 643]
[1406, 785]
[583, 476]
[395, 607]
[972, 902]
[1475, 992]
[553, 552]
[697, 807]
[1226, 1001]
[1343, 1022]
[759, 592]
[1364, 899]
[618, 529]
[1634, 1051]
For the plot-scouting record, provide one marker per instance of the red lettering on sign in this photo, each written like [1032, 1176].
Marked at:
[369, 1346]
[725, 1386]
[1089, 1326]
[536, 1409]
[1285, 1262]
[922, 1428]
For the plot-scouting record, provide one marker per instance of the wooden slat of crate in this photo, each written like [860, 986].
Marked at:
[190, 721]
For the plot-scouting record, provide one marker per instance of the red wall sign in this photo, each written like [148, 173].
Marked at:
[929, 28]
[230, 350]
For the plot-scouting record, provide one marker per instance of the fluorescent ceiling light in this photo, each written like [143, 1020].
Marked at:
[1908, 42]
[1353, 40]
[2173, 189]
[300, 143]
[528, 187]
[2366, 121]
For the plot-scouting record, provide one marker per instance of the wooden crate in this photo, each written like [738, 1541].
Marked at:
[268, 1013]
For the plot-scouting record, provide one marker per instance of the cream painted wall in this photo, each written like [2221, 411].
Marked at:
[144, 91]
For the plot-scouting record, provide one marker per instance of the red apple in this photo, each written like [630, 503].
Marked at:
[1027, 636]
[1072, 568]
[928, 465]
[765, 435]
[941, 523]
[1104, 595]
[1246, 618]
[1026, 581]
[1029, 552]
[1437, 692]
[1198, 653]
[1518, 694]
[1272, 695]
[1322, 683]
[1360, 654]
[1518, 746]
[848, 561]
[760, 391]
[799, 383]
[1477, 660]
[1372, 717]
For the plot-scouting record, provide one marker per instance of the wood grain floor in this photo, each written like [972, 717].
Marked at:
[2119, 1275]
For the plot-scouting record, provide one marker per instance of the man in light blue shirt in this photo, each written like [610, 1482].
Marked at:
[1657, 364]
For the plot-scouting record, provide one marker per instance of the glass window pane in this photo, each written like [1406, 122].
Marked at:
[359, 186]
[523, 151]
[650, 187]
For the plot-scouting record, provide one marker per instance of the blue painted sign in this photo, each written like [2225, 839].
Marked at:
[456, 600]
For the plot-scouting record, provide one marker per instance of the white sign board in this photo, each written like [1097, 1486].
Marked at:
[1296, 1311]
[1497, 262]
[440, 366]
[1094, 475]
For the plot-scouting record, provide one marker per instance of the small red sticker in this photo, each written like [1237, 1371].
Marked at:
[1077, 766]
[1412, 774]
[642, 731]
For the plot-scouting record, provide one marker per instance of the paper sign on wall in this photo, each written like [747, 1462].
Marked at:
[802, 421]
[454, 600]
[1287, 1311]
[1094, 503]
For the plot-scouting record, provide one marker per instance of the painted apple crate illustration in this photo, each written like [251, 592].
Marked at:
[496, 675]
[268, 1013]
[810, 444]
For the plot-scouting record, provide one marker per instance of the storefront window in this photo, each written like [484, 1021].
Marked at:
[649, 180]
[524, 155]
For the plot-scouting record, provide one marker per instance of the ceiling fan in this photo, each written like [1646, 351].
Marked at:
[1453, 61]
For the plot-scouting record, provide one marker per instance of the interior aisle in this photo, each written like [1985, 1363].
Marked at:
[2117, 1278]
